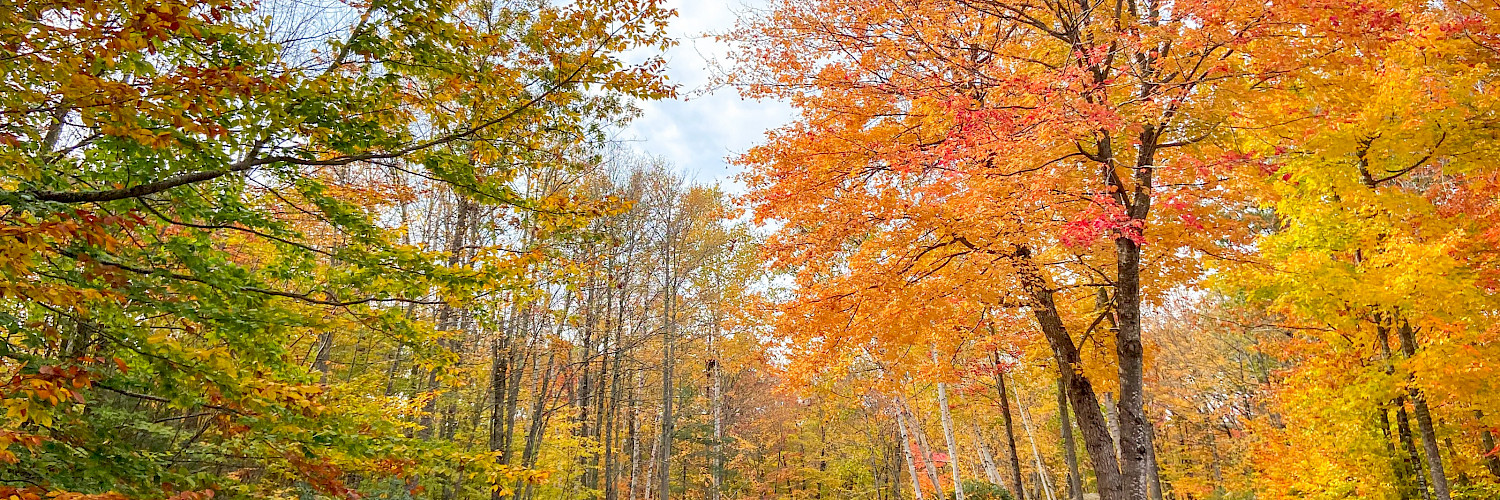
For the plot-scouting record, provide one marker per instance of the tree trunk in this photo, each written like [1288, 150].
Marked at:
[446, 313]
[518, 362]
[1036, 452]
[1405, 489]
[1131, 408]
[1487, 439]
[1215, 465]
[987, 459]
[1409, 483]
[958, 482]
[1153, 472]
[664, 456]
[499, 377]
[1424, 421]
[1112, 417]
[325, 349]
[1081, 394]
[611, 474]
[926, 451]
[1070, 449]
[716, 400]
[1413, 458]
[1016, 484]
[632, 436]
[583, 396]
[539, 416]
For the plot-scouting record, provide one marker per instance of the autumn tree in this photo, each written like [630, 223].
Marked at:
[1009, 155]
[1372, 258]
[199, 191]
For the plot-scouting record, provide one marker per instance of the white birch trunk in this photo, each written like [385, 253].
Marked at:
[958, 483]
[987, 458]
[1041, 468]
[926, 451]
[911, 463]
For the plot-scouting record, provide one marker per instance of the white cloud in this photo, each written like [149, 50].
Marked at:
[699, 131]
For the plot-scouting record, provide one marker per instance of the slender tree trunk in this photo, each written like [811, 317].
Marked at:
[894, 464]
[1413, 457]
[517, 359]
[664, 456]
[1487, 440]
[958, 482]
[390, 371]
[632, 436]
[1112, 417]
[987, 458]
[1036, 452]
[1070, 449]
[926, 451]
[1216, 467]
[499, 377]
[1405, 488]
[1016, 485]
[1153, 471]
[446, 313]
[1460, 477]
[716, 400]
[584, 391]
[539, 416]
[618, 328]
[1409, 484]
[325, 349]
[1424, 421]
[1081, 393]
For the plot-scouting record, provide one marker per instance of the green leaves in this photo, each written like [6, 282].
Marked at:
[203, 192]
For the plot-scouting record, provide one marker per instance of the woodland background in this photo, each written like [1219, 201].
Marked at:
[1132, 249]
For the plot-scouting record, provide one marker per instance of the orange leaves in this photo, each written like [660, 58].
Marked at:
[322, 475]
[937, 138]
[33, 396]
[33, 241]
[10, 437]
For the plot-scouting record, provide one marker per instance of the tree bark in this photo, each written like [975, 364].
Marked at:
[539, 418]
[958, 482]
[664, 456]
[1070, 449]
[1081, 393]
[1424, 421]
[987, 459]
[499, 377]
[926, 451]
[1016, 485]
[1409, 482]
[1487, 439]
[716, 400]
[1134, 446]
[911, 461]
[1413, 457]
[1153, 473]
[1036, 452]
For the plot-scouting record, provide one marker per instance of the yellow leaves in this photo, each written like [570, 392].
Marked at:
[269, 395]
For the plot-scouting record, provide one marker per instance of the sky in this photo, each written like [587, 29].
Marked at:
[699, 131]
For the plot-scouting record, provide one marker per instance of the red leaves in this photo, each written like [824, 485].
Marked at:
[1104, 217]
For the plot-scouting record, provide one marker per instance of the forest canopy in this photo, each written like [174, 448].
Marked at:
[1029, 250]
